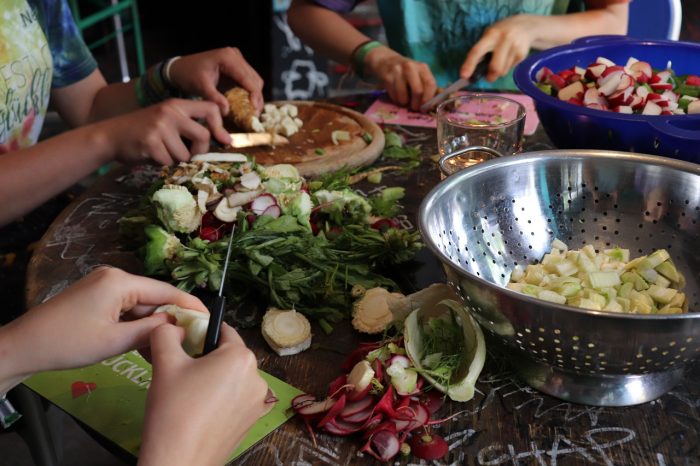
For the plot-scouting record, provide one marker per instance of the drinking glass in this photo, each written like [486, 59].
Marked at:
[472, 128]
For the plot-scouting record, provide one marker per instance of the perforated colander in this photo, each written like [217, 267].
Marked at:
[483, 221]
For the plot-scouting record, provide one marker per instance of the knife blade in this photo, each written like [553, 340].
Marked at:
[239, 140]
[216, 314]
[479, 72]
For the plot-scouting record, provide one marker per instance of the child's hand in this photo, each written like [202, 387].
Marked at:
[509, 39]
[199, 75]
[158, 132]
[106, 313]
[408, 82]
[198, 410]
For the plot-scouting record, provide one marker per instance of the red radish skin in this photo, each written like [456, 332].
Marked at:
[317, 407]
[357, 406]
[333, 412]
[302, 400]
[337, 383]
[359, 394]
[429, 446]
[361, 416]
[433, 400]
[340, 427]
[383, 445]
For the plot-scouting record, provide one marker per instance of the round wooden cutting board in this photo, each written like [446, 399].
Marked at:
[312, 149]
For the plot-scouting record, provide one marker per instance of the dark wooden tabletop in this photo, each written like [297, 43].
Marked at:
[507, 422]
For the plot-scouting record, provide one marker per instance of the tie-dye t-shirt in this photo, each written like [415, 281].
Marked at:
[40, 49]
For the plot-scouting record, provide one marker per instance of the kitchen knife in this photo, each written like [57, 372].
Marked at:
[479, 72]
[239, 140]
[216, 314]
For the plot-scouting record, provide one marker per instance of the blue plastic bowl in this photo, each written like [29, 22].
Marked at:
[570, 126]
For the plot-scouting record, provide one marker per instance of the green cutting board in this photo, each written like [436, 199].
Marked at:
[110, 397]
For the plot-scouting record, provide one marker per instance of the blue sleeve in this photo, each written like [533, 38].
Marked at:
[340, 6]
[72, 60]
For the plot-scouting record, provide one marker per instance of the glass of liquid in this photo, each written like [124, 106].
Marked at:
[472, 128]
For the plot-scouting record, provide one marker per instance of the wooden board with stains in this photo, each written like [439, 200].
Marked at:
[312, 149]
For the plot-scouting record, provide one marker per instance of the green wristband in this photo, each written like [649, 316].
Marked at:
[358, 57]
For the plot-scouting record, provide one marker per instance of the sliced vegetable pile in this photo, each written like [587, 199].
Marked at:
[607, 280]
[300, 245]
[633, 88]
[384, 394]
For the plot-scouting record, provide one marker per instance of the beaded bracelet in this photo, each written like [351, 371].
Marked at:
[359, 54]
[155, 85]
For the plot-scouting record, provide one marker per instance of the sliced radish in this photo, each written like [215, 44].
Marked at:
[542, 73]
[623, 109]
[383, 445]
[556, 81]
[317, 407]
[626, 81]
[302, 400]
[360, 417]
[641, 68]
[670, 96]
[612, 69]
[333, 412]
[433, 400]
[356, 406]
[596, 107]
[631, 61]
[694, 107]
[340, 427]
[661, 86]
[692, 80]
[262, 202]
[604, 61]
[637, 102]
[608, 84]
[642, 92]
[652, 109]
[579, 71]
[572, 91]
[337, 384]
[273, 211]
[250, 180]
[595, 71]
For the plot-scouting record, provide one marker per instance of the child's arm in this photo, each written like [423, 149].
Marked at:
[408, 82]
[511, 39]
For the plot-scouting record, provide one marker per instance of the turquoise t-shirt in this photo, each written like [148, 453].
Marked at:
[441, 32]
[40, 49]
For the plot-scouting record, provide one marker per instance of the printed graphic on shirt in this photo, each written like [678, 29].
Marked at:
[25, 75]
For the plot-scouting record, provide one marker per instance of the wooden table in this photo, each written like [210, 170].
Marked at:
[507, 423]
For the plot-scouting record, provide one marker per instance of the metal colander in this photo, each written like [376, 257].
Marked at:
[484, 220]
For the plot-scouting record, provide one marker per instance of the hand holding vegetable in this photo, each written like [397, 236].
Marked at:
[157, 132]
[199, 75]
[106, 313]
[198, 410]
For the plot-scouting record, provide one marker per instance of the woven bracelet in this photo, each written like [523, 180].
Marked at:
[358, 56]
[153, 87]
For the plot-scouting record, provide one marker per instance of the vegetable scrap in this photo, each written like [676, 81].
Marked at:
[287, 332]
[384, 394]
[195, 324]
[298, 244]
[396, 149]
[605, 280]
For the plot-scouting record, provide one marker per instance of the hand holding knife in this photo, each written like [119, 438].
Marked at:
[211, 341]
[461, 83]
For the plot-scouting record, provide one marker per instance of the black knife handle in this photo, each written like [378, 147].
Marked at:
[211, 341]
